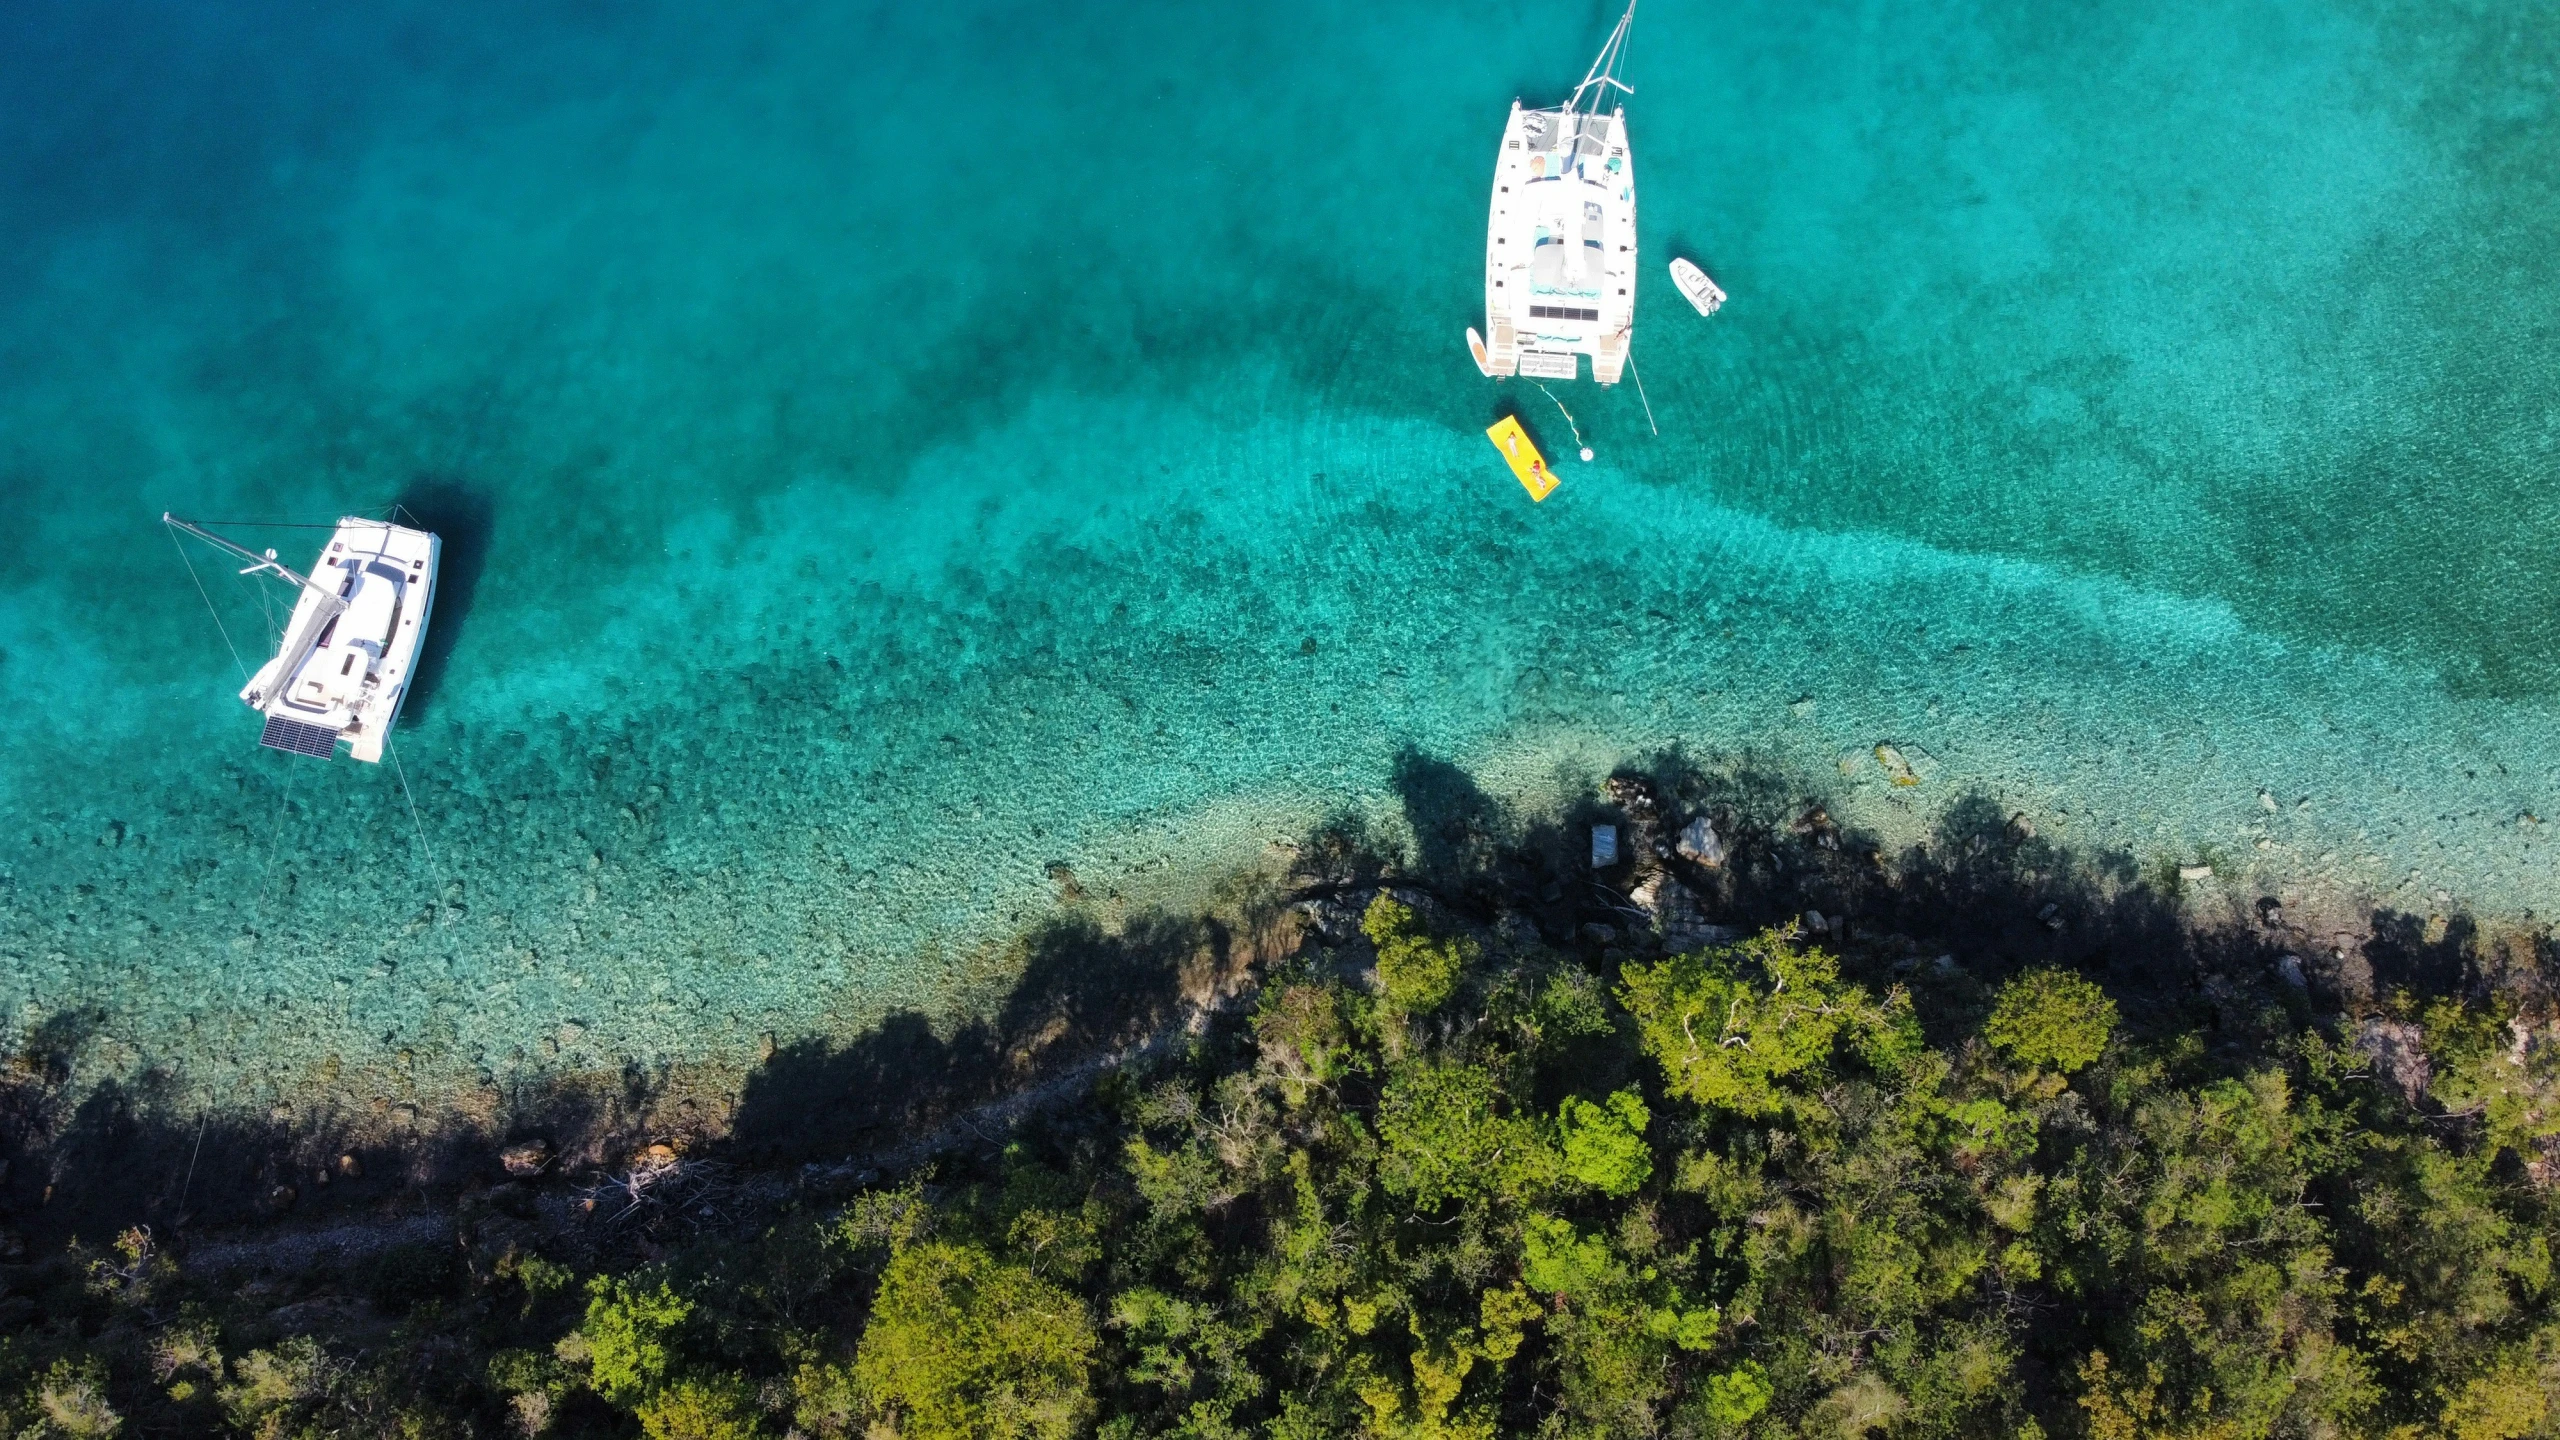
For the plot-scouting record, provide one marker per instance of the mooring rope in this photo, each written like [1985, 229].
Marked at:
[208, 606]
[1648, 403]
[1567, 414]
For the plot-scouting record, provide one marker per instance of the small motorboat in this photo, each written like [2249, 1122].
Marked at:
[1703, 293]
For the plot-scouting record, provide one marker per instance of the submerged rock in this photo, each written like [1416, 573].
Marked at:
[1635, 795]
[1816, 825]
[1897, 768]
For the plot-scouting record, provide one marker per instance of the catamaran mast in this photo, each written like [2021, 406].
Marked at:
[1604, 70]
[299, 648]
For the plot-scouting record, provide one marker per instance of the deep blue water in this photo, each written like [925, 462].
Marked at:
[887, 451]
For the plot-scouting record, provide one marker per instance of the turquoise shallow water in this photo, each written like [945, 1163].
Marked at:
[891, 451]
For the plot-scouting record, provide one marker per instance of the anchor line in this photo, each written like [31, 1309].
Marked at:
[1648, 403]
[434, 871]
[284, 802]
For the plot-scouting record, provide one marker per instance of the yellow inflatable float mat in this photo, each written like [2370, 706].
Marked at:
[1522, 454]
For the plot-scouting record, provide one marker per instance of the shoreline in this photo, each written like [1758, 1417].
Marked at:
[1096, 979]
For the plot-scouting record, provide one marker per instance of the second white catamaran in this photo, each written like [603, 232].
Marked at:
[1560, 244]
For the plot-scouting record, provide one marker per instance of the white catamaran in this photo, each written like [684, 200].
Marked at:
[351, 646]
[1560, 245]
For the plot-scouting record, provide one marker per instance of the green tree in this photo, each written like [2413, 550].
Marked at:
[626, 1333]
[2051, 1017]
[1737, 1396]
[701, 1408]
[70, 1403]
[2485, 1063]
[270, 1385]
[1604, 1145]
[1445, 1137]
[963, 1345]
[1415, 972]
[1729, 1025]
[1303, 1037]
[1559, 1260]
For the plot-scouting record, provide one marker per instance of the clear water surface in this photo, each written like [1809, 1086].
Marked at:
[891, 450]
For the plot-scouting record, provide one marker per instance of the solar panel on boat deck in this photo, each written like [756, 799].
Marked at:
[294, 737]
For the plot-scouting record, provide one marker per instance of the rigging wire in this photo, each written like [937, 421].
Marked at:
[434, 871]
[1648, 403]
[270, 524]
[267, 606]
[242, 665]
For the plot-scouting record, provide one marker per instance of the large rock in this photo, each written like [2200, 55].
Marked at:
[2398, 1051]
[526, 1158]
[1677, 916]
[1701, 843]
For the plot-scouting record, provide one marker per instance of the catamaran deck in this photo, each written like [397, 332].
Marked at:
[342, 675]
[1560, 246]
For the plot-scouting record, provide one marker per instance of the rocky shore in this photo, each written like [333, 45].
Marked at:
[1695, 858]
[350, 1240]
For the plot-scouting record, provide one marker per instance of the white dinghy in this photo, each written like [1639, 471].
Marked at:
[352, 644]
[1560, 244]
[1705, 294]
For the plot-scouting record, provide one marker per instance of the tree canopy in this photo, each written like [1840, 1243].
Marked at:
[1434, 1185]
[2051, 1017]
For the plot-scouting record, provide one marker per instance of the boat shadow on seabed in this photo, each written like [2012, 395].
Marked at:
[464, 519]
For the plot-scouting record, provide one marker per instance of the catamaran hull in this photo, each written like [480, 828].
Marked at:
[1560, 247]
[342, 677]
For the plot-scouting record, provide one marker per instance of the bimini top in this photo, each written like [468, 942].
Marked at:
[1560, 240]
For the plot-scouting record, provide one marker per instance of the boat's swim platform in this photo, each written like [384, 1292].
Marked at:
[1522, 454]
